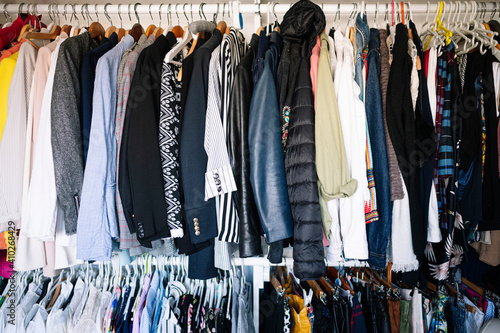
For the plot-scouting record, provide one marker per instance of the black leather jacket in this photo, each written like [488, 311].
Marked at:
[239, 154]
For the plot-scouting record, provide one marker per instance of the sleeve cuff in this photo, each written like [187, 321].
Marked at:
[219, 181]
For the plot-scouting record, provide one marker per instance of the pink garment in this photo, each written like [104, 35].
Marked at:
[314, 67]
[39, 80]
[40, 75]
[325, 240]
[6, 269]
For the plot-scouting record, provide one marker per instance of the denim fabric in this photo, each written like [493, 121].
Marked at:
[459, 314]
[378, 231]
[362, 35]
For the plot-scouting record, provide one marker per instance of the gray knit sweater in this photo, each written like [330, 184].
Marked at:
[67, 146]
[395, 179]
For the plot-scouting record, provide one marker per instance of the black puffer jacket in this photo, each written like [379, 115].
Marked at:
[301, 24]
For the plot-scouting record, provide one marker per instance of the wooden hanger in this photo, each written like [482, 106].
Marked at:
[383, 281]
[473, 286]
[326, 286]
[276, 284]
[359, 275]
[66, 28]
[150, 29]
[109, 31]
[454, 293]
[56, 30]
[136, 31]
[318, 292]
[158, 31]
[333, 274]
[222, 27]
[281, 271]
[96, 30]
[260, 30]
[178, 31]
[24, 29]
[372, 277]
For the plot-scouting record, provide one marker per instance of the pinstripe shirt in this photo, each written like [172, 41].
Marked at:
[127, 240]
[219, 178]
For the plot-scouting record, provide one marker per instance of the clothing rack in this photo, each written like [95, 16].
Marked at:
[234, 8]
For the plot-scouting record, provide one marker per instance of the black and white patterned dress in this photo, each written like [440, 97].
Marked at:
[168, 137]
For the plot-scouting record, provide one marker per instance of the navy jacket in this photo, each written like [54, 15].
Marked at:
[193, 162]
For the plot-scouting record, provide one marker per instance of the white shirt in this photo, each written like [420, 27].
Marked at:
[353, 121]
[12, 146]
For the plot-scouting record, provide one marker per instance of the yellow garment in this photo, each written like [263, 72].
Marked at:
[334, 180]
[7, 66]
[301, 322]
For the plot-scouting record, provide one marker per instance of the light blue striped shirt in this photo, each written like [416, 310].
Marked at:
[97, 223]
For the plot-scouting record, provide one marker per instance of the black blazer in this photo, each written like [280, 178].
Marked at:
[141, 178]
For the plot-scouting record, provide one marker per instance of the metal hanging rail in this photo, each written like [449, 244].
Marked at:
[236, 8]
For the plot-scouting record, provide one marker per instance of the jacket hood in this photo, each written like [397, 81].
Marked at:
[302, 23]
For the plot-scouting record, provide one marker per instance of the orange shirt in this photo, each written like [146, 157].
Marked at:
[7, 53]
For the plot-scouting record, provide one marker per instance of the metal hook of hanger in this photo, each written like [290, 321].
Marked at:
[223, 10]
[96, 12]
[375, 16]
[191, 12]
[216, 14]
[337, 15]
[202, 11]
[274, 12]
[106, 13]
[88, 14]
[149, 9]
[64, 13]
[177, 14]
[83, 14]
[169, 14]
[35, 13]
[120, 14]
[184, 11]
[56, 10]
[74, 14]
[159, 10]
[494, 10]
[6, 13]
[398, 13]
[20, 8]
[135, 10]
[49, 11]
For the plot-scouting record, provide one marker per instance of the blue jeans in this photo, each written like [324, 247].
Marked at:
[377, 232]
[362, 35]
[459, 315]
